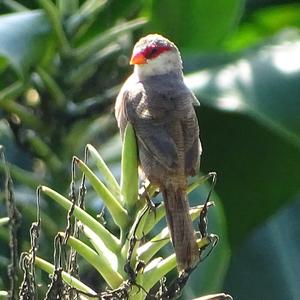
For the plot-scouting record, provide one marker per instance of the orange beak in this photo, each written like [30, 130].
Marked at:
[138, 59]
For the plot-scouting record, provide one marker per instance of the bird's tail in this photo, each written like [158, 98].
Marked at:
[180, 226]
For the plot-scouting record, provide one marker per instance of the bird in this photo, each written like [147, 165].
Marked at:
[160, 107]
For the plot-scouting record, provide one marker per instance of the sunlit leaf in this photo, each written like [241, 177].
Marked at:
[109, 240]
[72, 281]
[117, 211]
[24, 38]
[250, 130]
[263, 83]
[99, 262]
[199, 24]
[109, 178]
[129, 179]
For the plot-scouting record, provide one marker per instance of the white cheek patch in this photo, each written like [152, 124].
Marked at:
[162, 64]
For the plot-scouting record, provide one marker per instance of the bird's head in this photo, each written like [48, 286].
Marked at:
[155, 55]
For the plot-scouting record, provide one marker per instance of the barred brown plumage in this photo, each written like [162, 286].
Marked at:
[155, 100]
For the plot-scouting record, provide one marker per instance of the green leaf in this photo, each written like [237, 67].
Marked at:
[109, 178]
[53, 88]
[103, 266]
[43, 150]
[14, 5]
[217, 262]
[129, 165]
[12, 91]
[149, 249]
[108, 239]
[154, 217]
[256, 84]
[136, 231]
[114, 260]
[72, 281]
[263, 23]
[80, 21]
[159, 267]
[89, 48]
[274, 248]
[54, 18]
[24, 38]
[25, 114]
[199, 24]
[250, 115]
[118, 213]
[67, 7]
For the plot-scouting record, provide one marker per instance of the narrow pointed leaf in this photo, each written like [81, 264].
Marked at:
[54, 19]
[67, 7]
[81, 20]
[27, 117]
[22, 176]
[197, 182]
[89, 67]
[149, 249]
[12, 91]
[14, 6]
[155, 216]
[115, 261]
[113, 278]
[152, 274]
[44, 151]
[108, 239]
[137, 230]
[115, 208]
[52, 87]
[109, 178]
[129, 176]
[105, 38]
[72, 281]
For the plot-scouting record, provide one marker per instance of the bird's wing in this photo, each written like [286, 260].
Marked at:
[192, 142]
[154, 112]
[151, 128]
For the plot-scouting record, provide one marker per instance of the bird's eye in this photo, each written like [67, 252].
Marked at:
[152, 53]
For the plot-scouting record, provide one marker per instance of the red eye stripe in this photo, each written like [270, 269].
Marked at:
[154, 51]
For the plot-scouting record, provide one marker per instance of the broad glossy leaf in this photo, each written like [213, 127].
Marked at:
[274, 248]
[264, 23]
[263, 82]
[24, 38]
[195, 25]
[250, 131]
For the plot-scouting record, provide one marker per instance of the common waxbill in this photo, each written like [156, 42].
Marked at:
[158, 104]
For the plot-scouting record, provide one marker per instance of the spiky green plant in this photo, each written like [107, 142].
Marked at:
[60, 67]
[59, 78]
[130, 265]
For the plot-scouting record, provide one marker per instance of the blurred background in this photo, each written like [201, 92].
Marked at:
[61, 66]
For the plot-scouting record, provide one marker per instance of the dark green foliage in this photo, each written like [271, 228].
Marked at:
[61, 67]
